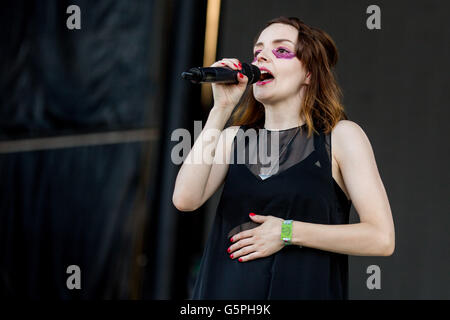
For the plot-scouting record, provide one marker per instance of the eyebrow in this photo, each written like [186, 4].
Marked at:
[275, 41]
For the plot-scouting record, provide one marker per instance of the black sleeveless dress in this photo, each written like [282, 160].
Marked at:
[301, 189]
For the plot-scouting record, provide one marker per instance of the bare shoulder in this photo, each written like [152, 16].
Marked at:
[346, 129]
[349, 138]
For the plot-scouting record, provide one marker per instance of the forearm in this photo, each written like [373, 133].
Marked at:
[200, 157]
[194, 172]
[361, 238]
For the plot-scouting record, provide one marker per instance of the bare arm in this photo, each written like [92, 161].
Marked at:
[198, 177]
[374, 234]
[205, 167]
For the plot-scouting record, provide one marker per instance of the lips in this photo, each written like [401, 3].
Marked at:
[261, 83]
[266, 76]
[266, 73]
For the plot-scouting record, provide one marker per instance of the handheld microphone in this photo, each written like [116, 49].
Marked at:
[222, 74]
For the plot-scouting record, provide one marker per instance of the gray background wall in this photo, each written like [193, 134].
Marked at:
[395, 85]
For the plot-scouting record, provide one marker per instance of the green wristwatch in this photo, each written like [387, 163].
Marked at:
[286, 232]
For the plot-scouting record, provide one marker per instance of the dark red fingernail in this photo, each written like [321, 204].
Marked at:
[228, 250]
[241, 75]
[252, 214]
[240, 259]
[231, 256]
[235, 65]
[231, 239]
[222, 63]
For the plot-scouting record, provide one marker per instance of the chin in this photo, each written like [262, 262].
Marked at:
[267, 98]
[261, 95]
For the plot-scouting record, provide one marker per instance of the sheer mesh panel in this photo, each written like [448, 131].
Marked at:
[290, 146]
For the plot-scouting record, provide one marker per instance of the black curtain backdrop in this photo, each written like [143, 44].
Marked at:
[74, 206]
[173, 241]
[56, 80]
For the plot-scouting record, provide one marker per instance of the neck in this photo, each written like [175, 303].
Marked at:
[284, 114]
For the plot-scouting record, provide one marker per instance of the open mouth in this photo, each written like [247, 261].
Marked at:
[266, 77]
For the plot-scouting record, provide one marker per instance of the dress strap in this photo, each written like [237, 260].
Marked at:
[322, 146]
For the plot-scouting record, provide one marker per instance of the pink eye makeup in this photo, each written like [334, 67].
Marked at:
[283, 53]
[256, 55]
[280, 53]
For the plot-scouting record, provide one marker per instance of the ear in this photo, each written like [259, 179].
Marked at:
[308, 77]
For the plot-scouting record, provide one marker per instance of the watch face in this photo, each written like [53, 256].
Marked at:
[286, 232]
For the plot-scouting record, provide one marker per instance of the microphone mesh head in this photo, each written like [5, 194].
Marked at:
[252, 72]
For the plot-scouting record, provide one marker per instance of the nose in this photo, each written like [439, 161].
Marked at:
[262, 56]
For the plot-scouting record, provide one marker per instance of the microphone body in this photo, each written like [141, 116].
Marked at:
[222, 74]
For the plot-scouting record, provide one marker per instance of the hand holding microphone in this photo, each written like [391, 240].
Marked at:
[228, 77]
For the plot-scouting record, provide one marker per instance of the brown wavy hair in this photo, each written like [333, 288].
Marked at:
[321, 107]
